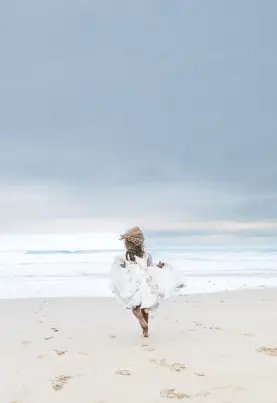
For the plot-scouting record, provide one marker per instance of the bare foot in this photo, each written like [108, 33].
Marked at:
[138, 314]
[145, 332]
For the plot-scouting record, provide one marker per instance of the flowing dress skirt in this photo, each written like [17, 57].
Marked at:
[136, 284]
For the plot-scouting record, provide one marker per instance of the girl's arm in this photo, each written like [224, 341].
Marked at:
[150, 262]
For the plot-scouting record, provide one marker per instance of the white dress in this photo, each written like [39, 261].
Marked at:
[141, 283]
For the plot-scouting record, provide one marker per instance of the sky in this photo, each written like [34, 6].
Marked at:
[153, 113]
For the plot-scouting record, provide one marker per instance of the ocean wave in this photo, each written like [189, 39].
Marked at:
[64, 252]
[41, 276]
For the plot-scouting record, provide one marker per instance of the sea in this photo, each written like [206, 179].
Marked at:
[85, 273]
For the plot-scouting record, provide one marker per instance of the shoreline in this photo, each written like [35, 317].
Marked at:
[111, 298]
[19, 288]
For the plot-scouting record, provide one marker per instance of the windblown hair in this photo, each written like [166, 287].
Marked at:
[134, 243]
[133, 250]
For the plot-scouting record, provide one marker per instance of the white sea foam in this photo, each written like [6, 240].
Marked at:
[85, 273]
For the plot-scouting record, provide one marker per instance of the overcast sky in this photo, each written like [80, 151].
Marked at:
[157, 113]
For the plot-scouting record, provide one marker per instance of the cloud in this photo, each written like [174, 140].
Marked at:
[160, 113]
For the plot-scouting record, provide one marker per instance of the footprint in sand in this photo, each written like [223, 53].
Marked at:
[199, 374]
[268, 351]
[26, 342]
[249, 334]
[200, 324]
[59, 382]
[42, 356]
[60, 352]
[147, 348]
[172, 394]
[176, 366]
[214, 328]
[124, 372]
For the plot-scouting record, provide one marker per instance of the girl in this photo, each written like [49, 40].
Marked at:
[139, 284]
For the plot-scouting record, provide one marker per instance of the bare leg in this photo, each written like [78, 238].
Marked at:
[140, 317]
[145, 315]
[146, 318]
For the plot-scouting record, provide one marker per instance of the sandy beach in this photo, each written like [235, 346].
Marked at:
[217, 348]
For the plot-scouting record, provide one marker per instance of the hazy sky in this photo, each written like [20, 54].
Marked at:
[157, 113]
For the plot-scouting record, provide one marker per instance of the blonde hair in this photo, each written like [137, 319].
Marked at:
[134, 243]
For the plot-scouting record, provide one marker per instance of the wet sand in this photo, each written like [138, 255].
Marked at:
[218, 348]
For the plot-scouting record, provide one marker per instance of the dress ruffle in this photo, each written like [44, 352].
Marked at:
[138, 284]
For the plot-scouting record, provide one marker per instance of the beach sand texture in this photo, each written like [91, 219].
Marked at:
[217, 348]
